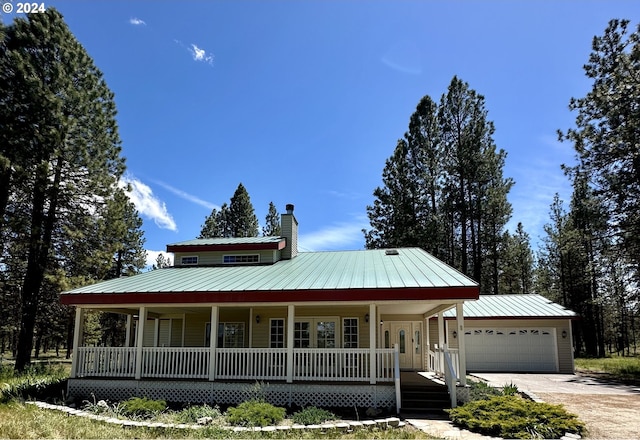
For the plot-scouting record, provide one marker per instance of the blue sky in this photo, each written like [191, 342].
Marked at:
[303, 101]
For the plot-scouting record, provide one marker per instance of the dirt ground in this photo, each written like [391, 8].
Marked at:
[605, 415]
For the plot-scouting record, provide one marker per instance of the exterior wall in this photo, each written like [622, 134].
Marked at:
[564, 344]
[215, 258]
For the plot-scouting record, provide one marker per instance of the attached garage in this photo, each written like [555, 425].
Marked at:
[515, 333]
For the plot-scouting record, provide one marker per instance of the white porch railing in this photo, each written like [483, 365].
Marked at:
[251, 363]
[338, 364]
[187, 363]
[437, 364]
[106, 361]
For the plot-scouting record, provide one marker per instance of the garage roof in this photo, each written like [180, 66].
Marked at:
[512, 306]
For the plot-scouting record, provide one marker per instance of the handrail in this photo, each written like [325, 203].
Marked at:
[450, 377]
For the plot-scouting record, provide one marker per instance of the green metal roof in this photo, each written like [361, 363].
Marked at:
[512, 306]
[366, 269]
[228, 241]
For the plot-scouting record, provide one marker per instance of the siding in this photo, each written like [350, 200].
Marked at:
[215, 258]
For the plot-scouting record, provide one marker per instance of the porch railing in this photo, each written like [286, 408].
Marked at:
[339, 364]
[165, 362]
[251, 363]
[437, 360]
[106, 361]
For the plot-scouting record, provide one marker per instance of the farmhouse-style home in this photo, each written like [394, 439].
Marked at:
[318, 328]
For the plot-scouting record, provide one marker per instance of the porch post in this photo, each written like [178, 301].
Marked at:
[127, 338]
[213, 342]
[462, 357]
[372, 343]
[142, 319]
[77, 340]
[291, 310]
[427, 340]
[440, 330]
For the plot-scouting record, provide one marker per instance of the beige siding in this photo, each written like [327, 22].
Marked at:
[195, 326]
[215, 258]
[149, 333]
[261, 331]
[564, 345]
[164, 333]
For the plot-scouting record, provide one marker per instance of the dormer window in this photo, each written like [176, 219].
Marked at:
[189, 261]
[241, 259]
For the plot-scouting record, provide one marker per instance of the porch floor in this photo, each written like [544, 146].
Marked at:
[421, 392]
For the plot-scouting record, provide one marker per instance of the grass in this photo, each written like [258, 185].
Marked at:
[18, 420]
[620, 368]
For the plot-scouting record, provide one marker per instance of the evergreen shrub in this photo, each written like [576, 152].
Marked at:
[515, 417]
[255, 413]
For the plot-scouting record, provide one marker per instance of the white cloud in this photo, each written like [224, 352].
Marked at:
[201, 54]
[153, 255]
[187, 196]
[137, 22]
[147, 204]
[338, 236]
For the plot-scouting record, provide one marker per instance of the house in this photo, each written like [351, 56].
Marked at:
[320, 328]
[514, 333]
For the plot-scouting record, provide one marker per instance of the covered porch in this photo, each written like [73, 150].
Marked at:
[357, 348]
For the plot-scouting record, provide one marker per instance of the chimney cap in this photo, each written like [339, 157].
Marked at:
[289, 208]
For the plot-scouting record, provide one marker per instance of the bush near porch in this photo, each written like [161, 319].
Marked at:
[503, 412]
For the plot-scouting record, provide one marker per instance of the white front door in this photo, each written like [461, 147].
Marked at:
[408, 336]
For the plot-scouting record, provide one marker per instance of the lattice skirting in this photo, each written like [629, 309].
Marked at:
[326, 395]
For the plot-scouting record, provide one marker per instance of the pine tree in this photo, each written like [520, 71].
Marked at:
[61, 145]
[161, 262]
[607, 132]
[443, 187]
[242, 217]
[272, 222]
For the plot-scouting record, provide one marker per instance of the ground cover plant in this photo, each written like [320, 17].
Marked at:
[515, 417]
[312, 415]
[255, 413]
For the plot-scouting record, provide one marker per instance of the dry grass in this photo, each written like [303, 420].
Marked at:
[18, 420]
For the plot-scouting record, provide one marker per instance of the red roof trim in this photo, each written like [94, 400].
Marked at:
[228, 247]
[499, 318]
[280, 296]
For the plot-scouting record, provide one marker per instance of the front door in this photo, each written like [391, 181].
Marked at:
[408, 336]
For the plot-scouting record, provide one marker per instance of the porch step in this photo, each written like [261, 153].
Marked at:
[420, 394]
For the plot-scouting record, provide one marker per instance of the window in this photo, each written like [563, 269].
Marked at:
[189, 261]
[276, 333]
[402, 342]
[230, 334]
[240, 259]
[350, 333]
[301, 335]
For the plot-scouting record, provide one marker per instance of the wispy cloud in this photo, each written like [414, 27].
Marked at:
[147, 204]
[341, 235]
[190, 197]
[201, 54]
[137, 22]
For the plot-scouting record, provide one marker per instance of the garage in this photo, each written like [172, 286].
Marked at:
[523, 349]
[512, 333]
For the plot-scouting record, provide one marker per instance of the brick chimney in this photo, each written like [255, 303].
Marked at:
[289, 230]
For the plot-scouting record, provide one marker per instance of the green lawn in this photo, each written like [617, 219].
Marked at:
[622, 368]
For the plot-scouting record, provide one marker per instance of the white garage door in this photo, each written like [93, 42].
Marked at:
[521, 349]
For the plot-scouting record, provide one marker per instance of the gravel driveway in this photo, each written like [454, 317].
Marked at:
[609, 410]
